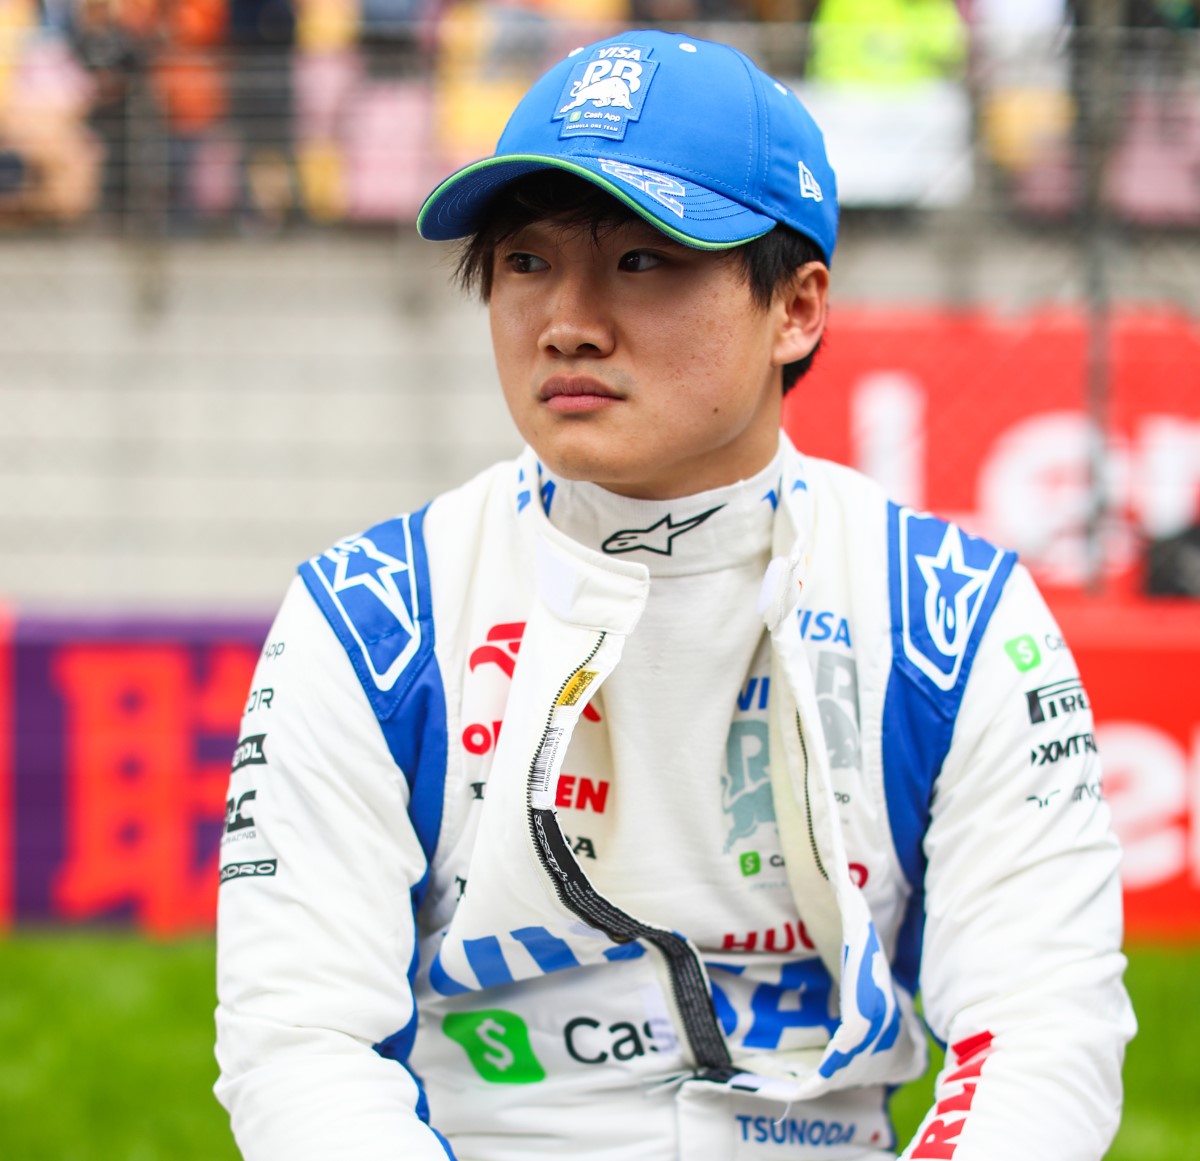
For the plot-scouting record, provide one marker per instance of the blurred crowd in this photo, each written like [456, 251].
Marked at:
[183, 113]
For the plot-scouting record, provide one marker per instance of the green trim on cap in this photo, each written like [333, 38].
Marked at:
[595, 179]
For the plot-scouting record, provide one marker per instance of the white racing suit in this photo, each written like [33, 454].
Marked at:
[455, 920]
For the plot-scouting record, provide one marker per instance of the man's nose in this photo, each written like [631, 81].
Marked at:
[578, 322]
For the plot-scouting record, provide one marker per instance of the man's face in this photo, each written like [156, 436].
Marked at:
[634, 362]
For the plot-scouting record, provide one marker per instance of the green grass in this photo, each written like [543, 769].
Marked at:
[108, 1050]
[108, 1054]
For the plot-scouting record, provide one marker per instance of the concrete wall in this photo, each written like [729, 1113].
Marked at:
[280, 397]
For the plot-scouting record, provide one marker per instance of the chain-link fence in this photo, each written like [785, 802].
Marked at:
[114, 132]
[223, 345]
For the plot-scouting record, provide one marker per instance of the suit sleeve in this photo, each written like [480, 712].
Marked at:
[315, 930]
[1021, 970]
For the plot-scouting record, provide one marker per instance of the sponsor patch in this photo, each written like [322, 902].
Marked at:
[1047, 753]
[940, 1136]
[746, 783]
[658, 538]
[250, 752]
[580, 793]
[837, 700]
[259, 699]
[370, 585]
[257, 869]
[605, 92]
[1023, 653]
[589, 1041]
[237, 812]
[497, 1045]
[1058, 699]
[947, 579]
[824, 625]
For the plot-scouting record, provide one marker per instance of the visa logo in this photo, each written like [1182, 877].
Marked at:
[620, 51]
[824, 626]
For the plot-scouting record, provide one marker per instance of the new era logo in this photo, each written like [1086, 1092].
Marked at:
[809, 187]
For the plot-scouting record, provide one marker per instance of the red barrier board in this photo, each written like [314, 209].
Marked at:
[983, 418]
[118, 768]
[1139, 660]
[112, 786]
[7, 744]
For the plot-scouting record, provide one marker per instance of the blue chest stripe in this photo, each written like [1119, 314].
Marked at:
[375, 593]
[943, 589]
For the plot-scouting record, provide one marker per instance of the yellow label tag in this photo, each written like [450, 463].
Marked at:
[576, 686]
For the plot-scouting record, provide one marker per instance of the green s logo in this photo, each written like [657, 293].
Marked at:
[497, 1044]
[1023, 652]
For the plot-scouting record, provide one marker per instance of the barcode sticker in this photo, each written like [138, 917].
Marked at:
[577, 686]
[542, 780]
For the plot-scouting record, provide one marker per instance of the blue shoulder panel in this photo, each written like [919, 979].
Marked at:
[943, 587]
[374, 588]
[374, 591]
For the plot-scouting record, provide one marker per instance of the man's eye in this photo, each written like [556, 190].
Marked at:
[523, 263]
[637, 261]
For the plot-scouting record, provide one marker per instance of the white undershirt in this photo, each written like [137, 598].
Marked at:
[685, 762]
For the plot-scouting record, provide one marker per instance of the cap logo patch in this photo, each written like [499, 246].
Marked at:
[605, 92]
[663, 188]
[809, 188]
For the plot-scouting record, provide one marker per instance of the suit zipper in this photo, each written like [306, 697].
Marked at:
[812, 837]
[689, 986]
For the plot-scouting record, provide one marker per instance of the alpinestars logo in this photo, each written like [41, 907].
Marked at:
[657, 538]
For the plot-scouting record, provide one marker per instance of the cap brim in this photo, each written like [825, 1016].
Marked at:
[687, 212]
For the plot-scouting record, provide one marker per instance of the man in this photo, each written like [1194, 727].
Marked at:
[615, 804]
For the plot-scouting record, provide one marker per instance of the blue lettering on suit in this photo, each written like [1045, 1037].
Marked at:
[801, 999]
[494, 966]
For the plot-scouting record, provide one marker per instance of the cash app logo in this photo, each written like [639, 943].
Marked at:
[1023, 652]
[497, 1044]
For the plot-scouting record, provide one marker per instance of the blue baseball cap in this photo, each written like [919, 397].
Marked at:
[689, 133]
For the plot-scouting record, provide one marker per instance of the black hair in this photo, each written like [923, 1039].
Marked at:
[768, 262]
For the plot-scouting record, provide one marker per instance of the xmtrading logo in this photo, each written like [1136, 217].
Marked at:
[497, 1044]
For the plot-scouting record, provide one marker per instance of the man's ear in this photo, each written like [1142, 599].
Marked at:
[802, 306]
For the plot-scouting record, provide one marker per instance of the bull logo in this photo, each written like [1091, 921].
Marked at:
[610, 91]
[837, 700]
[746, 783]
[614, 80]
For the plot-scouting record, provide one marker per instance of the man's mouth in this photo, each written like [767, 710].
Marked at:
[577, 393]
